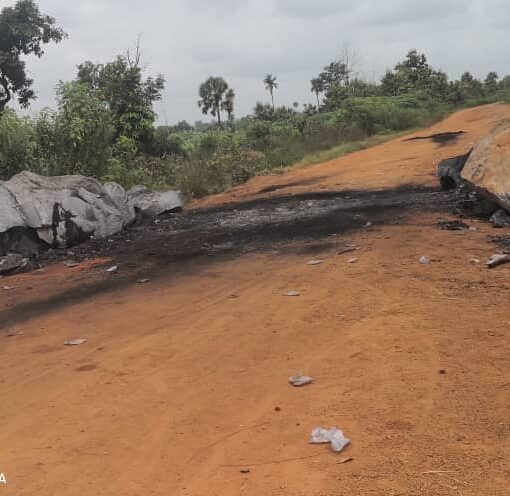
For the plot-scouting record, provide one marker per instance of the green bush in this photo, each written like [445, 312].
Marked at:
[18, 144]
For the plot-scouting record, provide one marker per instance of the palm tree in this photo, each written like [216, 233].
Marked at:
[228, 103]
[317, 88]
[211, 94]
[271, 85]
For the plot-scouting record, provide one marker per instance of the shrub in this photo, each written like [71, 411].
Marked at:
[17, 144]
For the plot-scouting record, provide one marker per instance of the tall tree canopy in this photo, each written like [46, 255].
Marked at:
[215, 96]
[130, 97]
[23, 31]
[271, 84]
[415, 74]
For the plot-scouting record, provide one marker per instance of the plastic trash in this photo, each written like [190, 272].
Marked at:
[425, 260]
[113, 270]
[496, 260]
[293, 293]
[300, 380]
[333, 436]
[75, 342]
[314, 262]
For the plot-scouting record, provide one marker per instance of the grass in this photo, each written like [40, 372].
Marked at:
[345, 149]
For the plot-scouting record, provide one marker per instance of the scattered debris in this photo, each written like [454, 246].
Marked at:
[473, 229]
[292, 293]
[143, 281]
[368, 224]
[11, 262]
[333, 436]
[8, 288]
[315, 262]
[452, 225]
[301, 380]
[496, 260]
[345, 460]
[12, 334]
[70, 264]
[474, 261]
[113, 270]
[425, 260]
[348, 249]
[353, 260]
[75, 342]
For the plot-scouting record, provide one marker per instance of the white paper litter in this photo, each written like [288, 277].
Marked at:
[333, 436]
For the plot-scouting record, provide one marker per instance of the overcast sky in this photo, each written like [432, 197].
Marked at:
[242, 40]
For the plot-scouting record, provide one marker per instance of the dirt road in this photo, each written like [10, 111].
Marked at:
[181, 387]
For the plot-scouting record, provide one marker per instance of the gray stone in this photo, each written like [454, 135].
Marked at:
[61, 211]
[500, 219]
[119, 195]
[449, 171]
[11, 262]
[153, 203]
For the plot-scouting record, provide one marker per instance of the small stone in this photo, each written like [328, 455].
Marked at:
[277, 409]
[245, 470]
[353, 260]
[442, 372]
[425, 260]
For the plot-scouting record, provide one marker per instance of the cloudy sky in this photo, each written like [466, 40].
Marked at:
[242, 40]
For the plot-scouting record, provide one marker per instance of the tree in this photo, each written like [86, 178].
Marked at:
[334, 74]
[228, 104]
[415, 74]
[23, 31]
[317, 86]
[491, 82]
[271, 85]
[212, 96]
[130, 98]
[83, 131]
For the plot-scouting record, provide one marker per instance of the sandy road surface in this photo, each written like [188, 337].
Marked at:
[183, 380]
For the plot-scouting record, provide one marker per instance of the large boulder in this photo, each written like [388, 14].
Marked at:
[61, 211]
[119, 195]
[488, 167]
[153, 203]
[449, 171]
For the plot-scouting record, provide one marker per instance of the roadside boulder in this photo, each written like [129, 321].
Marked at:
[449, 171]
[153, 203]
[488, 167]
[61, 211]
[119, 195]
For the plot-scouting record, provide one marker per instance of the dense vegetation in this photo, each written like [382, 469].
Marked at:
[104, 124]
